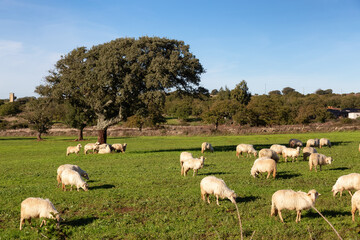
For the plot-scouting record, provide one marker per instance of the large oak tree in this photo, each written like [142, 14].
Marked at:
[117, 79]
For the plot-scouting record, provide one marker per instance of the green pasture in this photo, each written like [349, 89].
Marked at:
[141, 195]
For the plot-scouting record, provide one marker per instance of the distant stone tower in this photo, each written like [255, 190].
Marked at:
[12, 97]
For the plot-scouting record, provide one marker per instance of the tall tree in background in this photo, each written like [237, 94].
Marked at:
[241, 93]
[117, 79]
[39, 113]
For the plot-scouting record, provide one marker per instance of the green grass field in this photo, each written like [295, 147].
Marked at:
[141, 195]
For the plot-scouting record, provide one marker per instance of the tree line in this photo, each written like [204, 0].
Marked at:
[140, 82]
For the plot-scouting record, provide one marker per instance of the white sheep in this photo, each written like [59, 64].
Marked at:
[118, 147]
[38, 208]
[192, 163]
[307, 151]
[291, 200]
[91, 146]
[295, 143]
[184, 156]
[277, 148]
[346, 182]
[245, 148]
[104, 148]
[206, 146]
[72, 167]
[316, 159]
[355, 204]
[269, 154]
[264, 165]
[325, 142]
[73, 149]
[213, 185]
[313, 142]
[71, 177]
[290, 152]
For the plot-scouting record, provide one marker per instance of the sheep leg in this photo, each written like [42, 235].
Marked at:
[350, 192]
[22, 222]
[298, 216]
[217, 200]
[315, 167]
[63, 187]
[182, 170]
[208, 198]
[280, 216]
[71, 188]
[268, 175]
[43, 222]
[320, 167]
[353, 210]
[194, 172]
[310, 165]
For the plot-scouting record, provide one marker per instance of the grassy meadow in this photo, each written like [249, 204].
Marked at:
[141, 195]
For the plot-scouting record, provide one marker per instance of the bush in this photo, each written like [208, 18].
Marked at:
[10, 109]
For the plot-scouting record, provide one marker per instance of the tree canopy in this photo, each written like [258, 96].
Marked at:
[123, 77]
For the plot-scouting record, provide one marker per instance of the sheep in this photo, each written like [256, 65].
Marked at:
[307, 151]
[277, 148]
[316, 159]
[192, 163]
[184, 156]
[91, 146]
[213, 185]
[118, 147]
[290, 152]
[71, 177]
[206, 146]
[264, 165]
[313, 142]
[295, 143]
[325, 142]
[291, 200]
[38, 208]
[246, 148]
[72, 167]
[359, 147]
[104, 148]
[72, 149]
[355, 204]
[346, 182]
[268, 153]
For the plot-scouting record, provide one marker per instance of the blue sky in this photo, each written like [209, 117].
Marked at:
[304, 44]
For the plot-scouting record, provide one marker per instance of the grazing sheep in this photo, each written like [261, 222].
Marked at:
[104, 148]
[359, 147]
[264, 165]
[268, 153]
[72, 149]
[184, 156]
[206, 146]
[307, 151]
[291, 200]
[277, 148]
[192, 163]
[316, 159]
[295, 143]
[91, 146]
[213, 185]
[72, 167]
[313, 142]
[290, 152]
[346, 182]
[325, 142]
[71, 177]
[38, 208]
[355, 204]
[246, 148]
[118, 147]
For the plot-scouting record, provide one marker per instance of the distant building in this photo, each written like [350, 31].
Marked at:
[343, 113]
[12, 97]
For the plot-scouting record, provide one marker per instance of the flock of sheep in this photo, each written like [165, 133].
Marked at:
[67, 174]
[267, 161]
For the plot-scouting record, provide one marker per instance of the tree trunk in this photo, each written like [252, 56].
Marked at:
[102, 135]
[38, 136]
[80, 134]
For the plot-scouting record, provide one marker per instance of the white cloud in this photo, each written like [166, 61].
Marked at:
[10, 47]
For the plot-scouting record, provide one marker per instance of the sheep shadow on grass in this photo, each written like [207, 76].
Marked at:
[246, 199]
[287, 175]
[213, 173]
[79, 222]
[339, 168]
[326, 213]
[105, 186]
